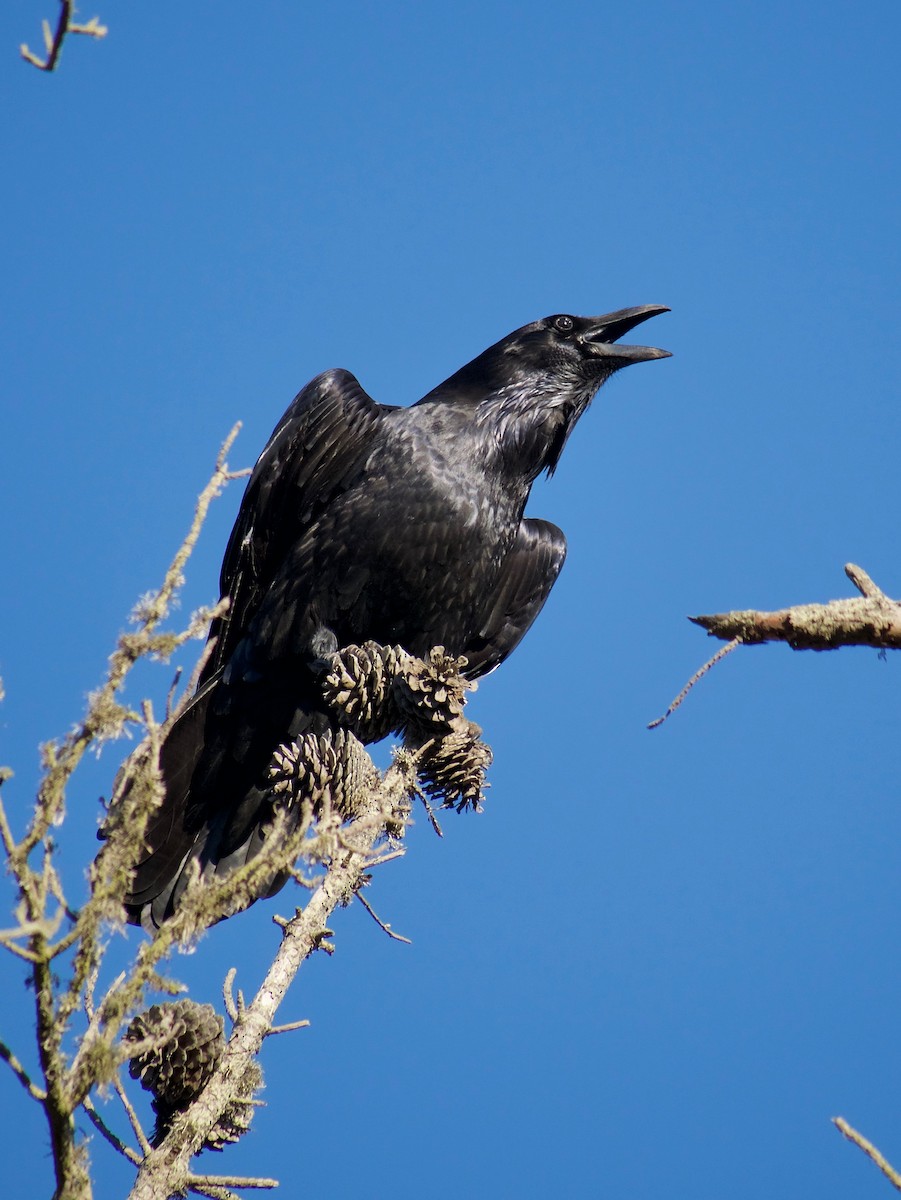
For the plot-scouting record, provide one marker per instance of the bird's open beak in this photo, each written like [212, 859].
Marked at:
[604, 331]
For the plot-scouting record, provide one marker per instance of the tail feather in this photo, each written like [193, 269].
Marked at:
[171, 835]
[216, 805]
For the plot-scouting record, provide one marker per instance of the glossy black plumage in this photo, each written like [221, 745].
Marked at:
[363, 521]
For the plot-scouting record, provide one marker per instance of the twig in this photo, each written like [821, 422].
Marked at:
[21, 1074]
[66, 941]
[699, 674]
[19, 951]
[387, 928]
[56, 890]
[869, 1150]
[132, 1155]
[228, 996]
[289, 1028]
[430, 812]
[209, 648]
[864, 583]
[45, 928]
[230, 1181]
[53, 42]
[173, 688]
[133, 1118]
[6, 834]
[383, 858]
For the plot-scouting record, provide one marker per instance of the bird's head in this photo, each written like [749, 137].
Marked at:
[546, 374]
[578, 351]
[564, 355]
[530, 388]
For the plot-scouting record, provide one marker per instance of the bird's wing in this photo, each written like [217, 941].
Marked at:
[527, 576]
[317, 446]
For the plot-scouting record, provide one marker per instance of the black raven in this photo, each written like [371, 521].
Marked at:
[364, 521]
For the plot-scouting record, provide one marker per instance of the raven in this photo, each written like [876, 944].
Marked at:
[369, 522]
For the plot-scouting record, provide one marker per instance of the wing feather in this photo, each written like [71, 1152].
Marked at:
[529, 572]
[317, 446]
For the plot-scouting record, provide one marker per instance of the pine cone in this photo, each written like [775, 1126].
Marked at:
[324, 768]
[359, 688]
[432, 691]
[238, 1114]
[189, 1040]
[453, 770]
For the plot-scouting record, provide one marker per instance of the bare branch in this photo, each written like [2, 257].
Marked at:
[429, 811]
[53, 43]
[133, 1120]
[116, 1142]
[869, 1150]
[288, 1028]
[21, 1074]
[383, 858]
[6, 833]
[228, 996]
[230, 1181]
[214, 1193]
[173, 688]
[699, 674]
[387, 928]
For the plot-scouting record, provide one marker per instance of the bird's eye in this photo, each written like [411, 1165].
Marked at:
[563, 324]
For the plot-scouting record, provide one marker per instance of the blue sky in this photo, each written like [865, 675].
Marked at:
[659, 962]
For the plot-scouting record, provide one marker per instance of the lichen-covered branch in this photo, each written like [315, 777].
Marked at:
[62, 948]
[21, 1074]
[53, 41]
[871, 619]
[334, 816]
[166, 1168]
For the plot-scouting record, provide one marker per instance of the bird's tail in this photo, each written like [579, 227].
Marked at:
[172, 838]
[218, 803]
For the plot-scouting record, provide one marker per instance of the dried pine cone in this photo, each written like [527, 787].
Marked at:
[188, 1043]
[359, 688]
[432, 690]
[324, 768]
[453, 770]
[238, 1114]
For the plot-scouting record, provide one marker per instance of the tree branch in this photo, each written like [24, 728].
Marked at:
[166, 1168]
[42, 906]
[53, 42]
[21, 1074]
[398, 937]
[116, 1142]
[873, 619]
[869, 1150]
[699, 674]
[230, 1181]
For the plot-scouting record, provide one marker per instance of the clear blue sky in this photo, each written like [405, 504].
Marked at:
[659, 962]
